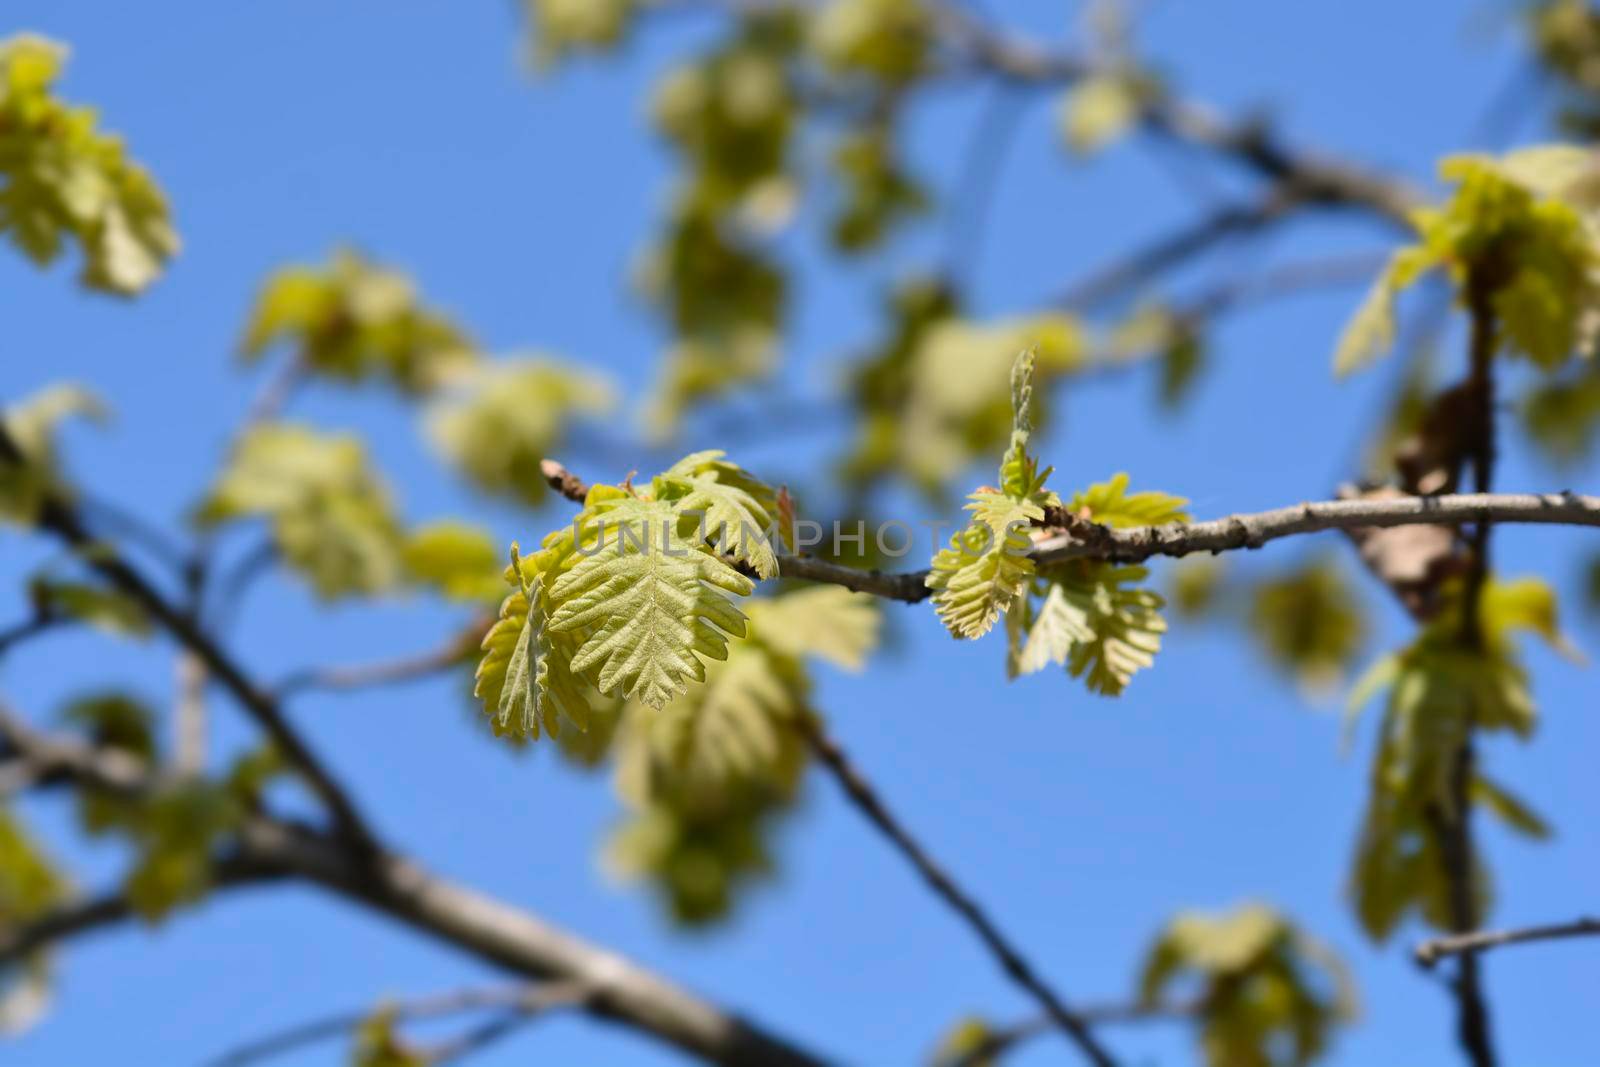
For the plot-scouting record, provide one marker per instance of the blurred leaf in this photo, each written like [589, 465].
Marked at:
[331, 517]
[888, 40]
[61, 178]
[1099, 110]
[1562, 416]
[1269, 996]
[1309, 622]
[30, 887]
[1438, 689]
[1518, 224]
[378, 1045]
[353, 321]
[456, 558]
[562, 28]
[1509, 809]
[507, 417]
[962, 1042]
[827, 622]
[104, 609]
[31, 426]
[876, 193]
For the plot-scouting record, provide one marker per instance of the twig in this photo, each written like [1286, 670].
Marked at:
[392, 885]
[388, 672]
[1087, 540]
[521, 1002]
[1453, 821]
[1002, 1040]
[865, 798]
[59, 518]
[87, 915]
[1435, 949]
[1172, 250]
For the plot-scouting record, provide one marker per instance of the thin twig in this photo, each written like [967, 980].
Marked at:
[1081, 539]
[866, 800]
[392, 885]
[1171, 251]
[1004, 1039]
[520, 1002]
[1453, 821]
[1435, 949]
[58, 517]
[451, 653]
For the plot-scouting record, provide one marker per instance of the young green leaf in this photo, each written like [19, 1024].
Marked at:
[1100, 630]
[647, 604]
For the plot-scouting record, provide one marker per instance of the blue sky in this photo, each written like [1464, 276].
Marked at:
[412, 130]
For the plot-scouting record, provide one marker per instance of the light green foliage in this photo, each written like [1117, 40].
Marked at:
[1198, 585]
[957, 404]
[1097, 622]
[731, 116]
[1110, 504]
[63, 179]
[725, 506]
[502, 419]
[887, 40]
[1309, 622]
[1566, 36]
[355, 321]
[881, 385]
[1269, 995]
[648, 604]
[825, 622]
[631, 598]
[1522, 229]
[31, 427]
[525, 677]
[1562, 415]
[705, 776]
[1437, 689]
[875, 191]
[378, 1045]
[1099, 110]
[1093, 618]
[962, 1043]
[29, 887]
[986, 569]
[564, 27]
[93, 605]
[331, 517]
[455, 558]
[175, 829]
[114, 720]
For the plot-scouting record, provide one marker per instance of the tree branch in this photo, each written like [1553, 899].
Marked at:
[453, 651]
[865, 798]
[58, 517]
[1002, 1040]
[1435, 949]
[1081, 539]
[520, 1002]
[394, 885]
[1251, 144]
